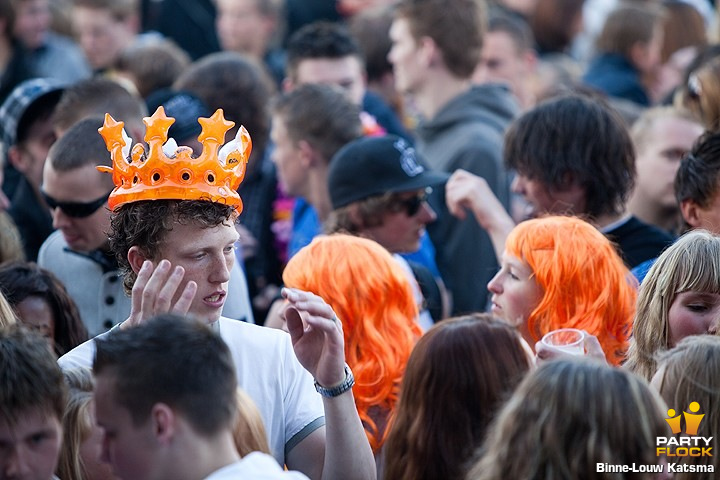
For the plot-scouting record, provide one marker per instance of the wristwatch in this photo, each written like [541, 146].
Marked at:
[346, 385]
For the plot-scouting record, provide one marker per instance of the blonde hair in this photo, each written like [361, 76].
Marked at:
[586, 285]
[569, 415]
[249, 432]
[7, 314]
[643, 126]
[692, 374]
[10, 242]
[701, 94]
[371, 294]
[690, 264]
[77, 422]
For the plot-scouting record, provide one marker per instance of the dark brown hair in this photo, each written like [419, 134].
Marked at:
[144, 224]
[456, 379]
[456, 26]
[20, 280]
[574, 138]
[29, 375]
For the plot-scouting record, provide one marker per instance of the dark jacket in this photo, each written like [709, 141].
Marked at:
[467, 133]
[615, 76]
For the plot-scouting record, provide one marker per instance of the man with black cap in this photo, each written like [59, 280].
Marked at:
[378, 189]
[27, 135]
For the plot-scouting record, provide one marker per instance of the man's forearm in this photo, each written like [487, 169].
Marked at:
[347, 451]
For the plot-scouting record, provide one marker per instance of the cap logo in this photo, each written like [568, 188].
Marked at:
[408, 162]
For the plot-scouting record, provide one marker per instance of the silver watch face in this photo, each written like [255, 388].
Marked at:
[346, 385]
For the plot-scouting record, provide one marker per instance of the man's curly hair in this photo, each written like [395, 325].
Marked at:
[144, 224]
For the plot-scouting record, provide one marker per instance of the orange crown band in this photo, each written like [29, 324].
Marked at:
[169, 172]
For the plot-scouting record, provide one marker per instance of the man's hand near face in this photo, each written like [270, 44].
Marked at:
[155, 290]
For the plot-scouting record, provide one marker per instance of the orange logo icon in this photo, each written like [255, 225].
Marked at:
[692, 420]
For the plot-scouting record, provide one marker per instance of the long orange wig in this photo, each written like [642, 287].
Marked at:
[585, 283]
[371, 294]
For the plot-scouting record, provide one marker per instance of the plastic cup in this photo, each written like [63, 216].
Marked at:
[566, 340]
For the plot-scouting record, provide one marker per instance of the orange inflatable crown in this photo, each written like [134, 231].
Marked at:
[171, 172]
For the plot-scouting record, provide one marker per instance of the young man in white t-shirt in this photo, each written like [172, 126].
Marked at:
[175, 247]
[154, 384]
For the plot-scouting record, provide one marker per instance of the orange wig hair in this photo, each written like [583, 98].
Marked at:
[586, 285]
[371, 295]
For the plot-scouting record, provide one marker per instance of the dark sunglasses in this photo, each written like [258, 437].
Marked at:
[76, 209]
[413, 204]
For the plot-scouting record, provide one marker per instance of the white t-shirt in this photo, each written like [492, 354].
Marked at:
[254, 466]
[268, 370]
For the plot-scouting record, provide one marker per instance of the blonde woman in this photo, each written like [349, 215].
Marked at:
[688, 373]
[679, 297]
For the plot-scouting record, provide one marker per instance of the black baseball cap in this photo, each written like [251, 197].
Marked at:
[371, 166]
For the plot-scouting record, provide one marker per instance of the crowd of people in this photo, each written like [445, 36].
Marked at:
[268, 239]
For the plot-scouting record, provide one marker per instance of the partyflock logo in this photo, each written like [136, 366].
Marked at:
[689, 444]
[682, 446]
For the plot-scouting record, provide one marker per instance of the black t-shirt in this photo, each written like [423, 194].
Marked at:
[638, 241]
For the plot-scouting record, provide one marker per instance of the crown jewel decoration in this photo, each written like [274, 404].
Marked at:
[170, 172]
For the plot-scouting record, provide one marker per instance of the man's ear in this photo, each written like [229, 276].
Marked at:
[287, 84]
[429, 52]
[136, 257]
[691, 213]
[530, 60]
[164, 423]
[17, 159]
[307, 153]
[355, 217]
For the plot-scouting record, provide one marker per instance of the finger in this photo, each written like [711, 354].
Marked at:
[294, 323]
[543, 353]
[593, 347]
[296, 295]
[311, 304]
[288, 293]
[330, 325]
[137, 291]
[454, 205]
[163, 302]
[316, 307]
[182, 306]
[154, 285]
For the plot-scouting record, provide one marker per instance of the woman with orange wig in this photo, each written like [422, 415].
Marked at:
[561, 272]
[372, 297]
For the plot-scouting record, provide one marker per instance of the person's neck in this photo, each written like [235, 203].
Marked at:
[438, 90]
[318, 195]
[604, 220]
[214, 322]
[6, 51]
[202, 456]
[648, 212]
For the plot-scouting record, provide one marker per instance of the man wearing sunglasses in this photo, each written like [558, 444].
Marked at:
[379, 190]
[78, 253]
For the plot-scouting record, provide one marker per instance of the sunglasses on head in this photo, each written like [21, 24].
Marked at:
[413, 204]
[76, 209]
